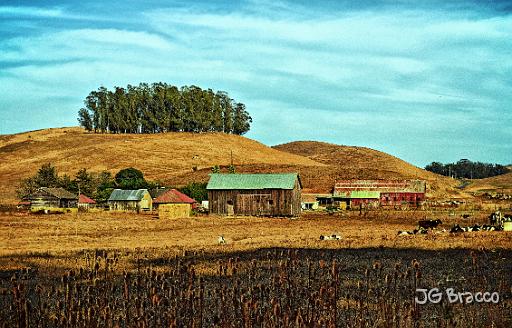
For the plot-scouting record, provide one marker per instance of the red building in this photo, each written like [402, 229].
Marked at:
[374, 193]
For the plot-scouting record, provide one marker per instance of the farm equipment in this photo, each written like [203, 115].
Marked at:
[500, 221]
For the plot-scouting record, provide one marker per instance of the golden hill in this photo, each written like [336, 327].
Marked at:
[168, 157]
[349, 162]
[179, 158]
[498, 184]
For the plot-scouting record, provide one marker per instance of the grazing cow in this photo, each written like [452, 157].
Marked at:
[487, 227]
[476, 227]
[221, 240]
[456, 229]
[405, 233]
[331, 237]
[429, 224]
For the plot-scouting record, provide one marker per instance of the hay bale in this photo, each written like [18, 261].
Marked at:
[166, 211]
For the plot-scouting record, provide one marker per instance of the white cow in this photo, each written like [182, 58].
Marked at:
[221, 240]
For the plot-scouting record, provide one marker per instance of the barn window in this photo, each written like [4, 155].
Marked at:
[271, 202]
[230, 202]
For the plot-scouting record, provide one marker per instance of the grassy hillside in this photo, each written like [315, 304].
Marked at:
[499, 184]
[169, 157]
[178, 158]
[348, 162]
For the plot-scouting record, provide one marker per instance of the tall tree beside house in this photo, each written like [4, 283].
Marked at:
[47, 176]
[195, 190]
[130, 178]
[161, 107]
[84, 182]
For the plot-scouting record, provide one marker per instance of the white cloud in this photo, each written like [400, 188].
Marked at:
[30, 11]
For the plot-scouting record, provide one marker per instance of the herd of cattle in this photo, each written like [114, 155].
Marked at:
[496, 221]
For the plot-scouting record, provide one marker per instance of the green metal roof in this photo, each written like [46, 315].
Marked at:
[252, 181]
[118, 194]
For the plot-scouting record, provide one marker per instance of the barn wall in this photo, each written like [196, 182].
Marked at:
[123, 205]
[396, 198]
[264, 202]
[174, 211]
[41, 199]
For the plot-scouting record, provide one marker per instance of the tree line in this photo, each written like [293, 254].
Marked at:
[467, 169]
[98, 185]
[161, 107]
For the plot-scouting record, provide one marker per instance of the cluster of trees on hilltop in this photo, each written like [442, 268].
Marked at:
[161, 107]
[467, 169]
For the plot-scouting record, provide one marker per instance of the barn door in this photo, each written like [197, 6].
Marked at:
[230, 208]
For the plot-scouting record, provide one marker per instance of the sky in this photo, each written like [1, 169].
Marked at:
[422, 80]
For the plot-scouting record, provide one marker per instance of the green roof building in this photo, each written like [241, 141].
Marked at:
[130, 200]
[271, 194]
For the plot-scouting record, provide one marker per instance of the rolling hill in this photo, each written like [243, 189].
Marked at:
[349, 162]
[178, 158]
[498, 184]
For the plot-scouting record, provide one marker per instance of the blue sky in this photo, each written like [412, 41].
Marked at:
[421, 80]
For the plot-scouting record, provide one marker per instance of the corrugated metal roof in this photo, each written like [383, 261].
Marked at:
[416, 186]
[173, 196]
[252, 181]
[118, 194]
[60, 193]
[83, 199]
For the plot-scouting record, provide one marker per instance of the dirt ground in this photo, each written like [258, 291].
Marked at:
[23, 235]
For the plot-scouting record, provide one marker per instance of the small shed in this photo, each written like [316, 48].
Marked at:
[45, 197]
[277, 194]
[130, 200]
[309, 202]
[173, 196]
[85, 202]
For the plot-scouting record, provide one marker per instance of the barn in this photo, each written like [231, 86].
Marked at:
[172, 196]
[85, 202]
[51, 198]
[130, 200]
[374, 193]
[277, 194]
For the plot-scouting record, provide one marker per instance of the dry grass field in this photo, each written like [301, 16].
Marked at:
[22, 233]
[126, 270]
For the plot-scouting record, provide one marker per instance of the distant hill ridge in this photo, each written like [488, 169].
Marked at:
[178, 158]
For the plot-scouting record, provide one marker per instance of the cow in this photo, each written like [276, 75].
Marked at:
[331, 237]
[221, 240]
[429, 224]
[456, 229]
[487, 227]
[476, 227]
